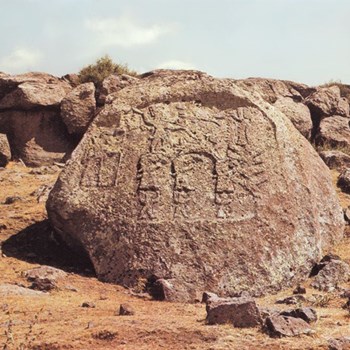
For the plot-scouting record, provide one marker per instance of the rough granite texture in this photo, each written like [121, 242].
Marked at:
[185, 177]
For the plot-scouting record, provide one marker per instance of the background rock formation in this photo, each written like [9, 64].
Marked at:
[199, 181]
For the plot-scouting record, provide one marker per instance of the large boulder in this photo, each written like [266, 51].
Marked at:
[30, 116]
[190, 178]
[36, 137]
[336, 159]
[334, 132]
[31, 90]
[5, 151]
[298, 113]
[326, 102]
[78, 108]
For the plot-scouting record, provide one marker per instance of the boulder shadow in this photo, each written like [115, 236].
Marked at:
[39, 244]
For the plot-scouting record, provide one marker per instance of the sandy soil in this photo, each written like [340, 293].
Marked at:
[56, 320]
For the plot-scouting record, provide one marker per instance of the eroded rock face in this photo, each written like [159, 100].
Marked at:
[190, 178]
[5, 151]
[334, 131]
[30, 116]
[78, 108]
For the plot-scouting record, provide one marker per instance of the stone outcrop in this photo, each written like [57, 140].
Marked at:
[196, 180]
[78, 108]
[286, 96]
[334, 132]
[284, 326]
[5, 151]
[112, 84]
[30, 116]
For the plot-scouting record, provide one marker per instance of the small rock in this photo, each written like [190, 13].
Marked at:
[126, 310]
[334, 273]
[90, 325]
[208, 296]
[292, 300]
[167, 290]
[284, 326]
[5, 152]
[9, 289]
[88, 304]
[342, 343]
[307, 314]
[43, 284]
[344, 180]
[12, 199]
[345, 294]
[44, 272]
[241, 312]
[299, 290]
[336, 159]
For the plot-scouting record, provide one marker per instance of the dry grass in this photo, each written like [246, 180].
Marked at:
[57, 320]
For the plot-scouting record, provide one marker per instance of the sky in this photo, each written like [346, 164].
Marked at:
[302, 40]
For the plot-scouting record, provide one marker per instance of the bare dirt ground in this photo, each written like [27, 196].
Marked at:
[56, 320]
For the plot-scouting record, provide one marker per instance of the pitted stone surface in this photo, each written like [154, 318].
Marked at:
[185, 177]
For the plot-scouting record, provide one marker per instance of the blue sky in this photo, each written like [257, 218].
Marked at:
[301, 40]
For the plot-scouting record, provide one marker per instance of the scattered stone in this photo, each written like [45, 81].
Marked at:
[284, 326]
[292, 300]
[12, 199]
[90, 325]
[342, 343]
[299, 290]
[241, 312]
[344, 180]
[307, 314]
[336, 159]
[43, 284]
[42, 193]
[267, 312]
[78, 108]
[168, 290]
[5, 151]
[169, 125]
[88, 304]
[9, 290]
[333, 273]
[71, 288]
[44, 271]
[347, 214]
[345, 294]
[126, 310]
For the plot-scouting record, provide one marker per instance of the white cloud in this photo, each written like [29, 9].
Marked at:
[124, 32]
[175, 64]
[21, 59]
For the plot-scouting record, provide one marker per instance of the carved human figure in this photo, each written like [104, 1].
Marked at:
[154, 187]
[194, 186]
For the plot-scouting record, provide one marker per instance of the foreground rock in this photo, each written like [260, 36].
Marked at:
[284, 326]
[336, 159]
[11, 290]
[307, 314]
[180, 163]
[342, 343]
[240, 312]
[5, 151]
[78, 108]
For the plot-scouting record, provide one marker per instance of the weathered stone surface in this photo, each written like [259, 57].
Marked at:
[112, 84]
[241, 312]
[126, 310]
[37, 137]
[326, 102]
[44, 272]
[271, 90]
[31, 90]
[78, 108]
[179, 163]
[5, 151]
[292, 300]
[342, 343]
[334, 132]
[344, 180]
[297, 112]
[334, 273]
[10, 290]
[336, 159]
[284, 326]
[307, 314]
[169, 290]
